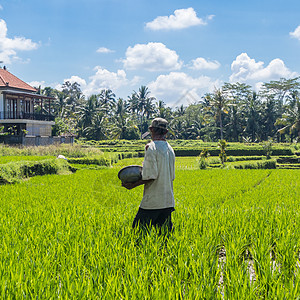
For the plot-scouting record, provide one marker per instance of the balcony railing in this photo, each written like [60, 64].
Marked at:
[25, 116]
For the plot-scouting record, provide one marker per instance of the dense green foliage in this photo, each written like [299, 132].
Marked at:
[233, 112]
[236, 237]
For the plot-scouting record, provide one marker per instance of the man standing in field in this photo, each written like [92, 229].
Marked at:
[157, 176]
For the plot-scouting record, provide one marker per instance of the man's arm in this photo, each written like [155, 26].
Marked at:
[132, 185]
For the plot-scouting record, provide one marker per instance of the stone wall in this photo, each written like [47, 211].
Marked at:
[36, 140]
[39, 129]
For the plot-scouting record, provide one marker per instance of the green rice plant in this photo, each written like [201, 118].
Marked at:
[213, 160]
[236, 237]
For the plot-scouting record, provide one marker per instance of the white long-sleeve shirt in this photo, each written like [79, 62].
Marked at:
[159, 164]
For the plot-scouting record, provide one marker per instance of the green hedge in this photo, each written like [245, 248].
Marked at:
[15, 171]
[244, 158]
[233, 152]
[264, 164]
[288, 160]
[107, 159]
[100, 161]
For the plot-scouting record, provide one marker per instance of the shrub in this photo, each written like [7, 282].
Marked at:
[222, 145]
[268, 146]
[202, 163]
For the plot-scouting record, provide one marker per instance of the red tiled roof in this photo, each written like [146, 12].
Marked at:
[9, 80]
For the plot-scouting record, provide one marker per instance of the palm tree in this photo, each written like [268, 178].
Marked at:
[251, 107]
[141, 103]
[291, 117]
[269, 116]
[107, 101]
[120, 120]
[149, 108]
[220, 105]
[86, 113]
[73, 96]
[236, 93]
[97, 129]
[180, 111]
[60, 103]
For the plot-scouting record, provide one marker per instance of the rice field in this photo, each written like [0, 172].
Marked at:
[69, 237]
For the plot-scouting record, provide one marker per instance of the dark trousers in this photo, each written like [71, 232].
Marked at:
[154, 217]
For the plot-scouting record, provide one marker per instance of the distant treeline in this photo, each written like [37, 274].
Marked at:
[234, 112]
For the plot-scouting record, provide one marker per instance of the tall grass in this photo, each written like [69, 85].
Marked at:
[52, 150]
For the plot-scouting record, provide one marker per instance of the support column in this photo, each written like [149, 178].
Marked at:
[31, 106]
[18, 106]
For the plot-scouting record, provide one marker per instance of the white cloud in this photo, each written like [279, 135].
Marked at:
[296, 33]
[36, 84]
[201, 63]
[178, 88]
[246, 69]
[77, 79]
[182, 18]
[151, 57]
[104, 50]
[104, 79]
[9, 47]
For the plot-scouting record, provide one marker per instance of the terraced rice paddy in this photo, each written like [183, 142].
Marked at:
[236, 237]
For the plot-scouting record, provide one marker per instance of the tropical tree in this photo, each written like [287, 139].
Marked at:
[123, 127]
[220, 105]
[291, 117]
[279, 90]
[236, 93]
[107, 101]
[73, 96]
[86, 112]
[162, 111]
[268, 118]
[142, 104]
[60, 104]
[179, 111]
[251, 111]
[98, 128]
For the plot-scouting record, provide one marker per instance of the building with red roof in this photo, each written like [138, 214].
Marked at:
[22, 109]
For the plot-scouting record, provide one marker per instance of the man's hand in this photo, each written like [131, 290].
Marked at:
[129, 185]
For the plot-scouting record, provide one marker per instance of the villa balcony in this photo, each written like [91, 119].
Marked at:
[9, 115]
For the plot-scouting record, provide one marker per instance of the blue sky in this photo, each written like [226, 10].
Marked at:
[179, 49]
